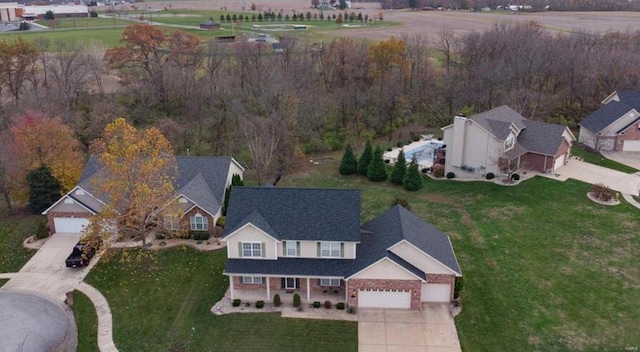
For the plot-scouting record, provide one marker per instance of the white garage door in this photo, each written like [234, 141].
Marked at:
[631, 146]
[70, 225]
[559, 162]
[384, 299]
[436, 293]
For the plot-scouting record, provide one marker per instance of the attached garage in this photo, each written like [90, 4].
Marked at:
[436, 293]
[559, 162]
[70, 225]
[384, 299]
[631, 146]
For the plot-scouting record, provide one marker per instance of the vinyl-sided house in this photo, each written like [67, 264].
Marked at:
[474, 146]
[199, 192]
[616, 125]
[310, 242]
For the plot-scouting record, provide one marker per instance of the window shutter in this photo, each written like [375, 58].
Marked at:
[264, 280]
[319, 282]
[282, 283]
[263, 249]
[318, 249]
[341, 250]
[242, 279]
[298, 248]
[284, 248]
[240, 249]
[297, 283]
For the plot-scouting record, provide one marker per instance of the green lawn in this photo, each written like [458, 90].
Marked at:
[83, 23]
[86, 322]
[168, 310]
[13, 230]
[598, 159]
[3, 281]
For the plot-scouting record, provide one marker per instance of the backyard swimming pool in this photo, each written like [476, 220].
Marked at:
[422, 150]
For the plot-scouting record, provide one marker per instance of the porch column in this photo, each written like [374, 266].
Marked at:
[308, 290]
[231, 287]
[268, 289]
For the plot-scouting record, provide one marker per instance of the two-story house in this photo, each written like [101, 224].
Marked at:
[480, 144]
[310, 242]
[199, 189]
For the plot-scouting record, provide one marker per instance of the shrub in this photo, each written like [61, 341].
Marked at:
[276, 300]
[42, 231]
[399, 169]
[327, 304]
[458, 287]
[424, 170]
[413, 179]
[340, 306]
[389, 149]
[349, 164]
[260, 304]
[49, 15]
[515, 177]
[352, 310]
[221, 221]
[603, 192]
[316, 304]
[200, 235]
[24, 26]
[438, 173]
[296, 300]
[490, 176]
[159, 236]
[415, 136]
[365, 159]
[403, 202]
[451, 175]
[399, 144]
[236, 302]
[377, 171]
[93, 14]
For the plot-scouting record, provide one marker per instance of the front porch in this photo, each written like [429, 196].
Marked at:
[309, 289]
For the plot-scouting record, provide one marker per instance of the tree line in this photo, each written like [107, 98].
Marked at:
[268, 107]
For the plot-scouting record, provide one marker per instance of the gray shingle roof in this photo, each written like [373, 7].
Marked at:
[498, 121]
[605, 116]
[395, 225]
[290, 267]
[541, 137]
[630, 98]
[303, 214]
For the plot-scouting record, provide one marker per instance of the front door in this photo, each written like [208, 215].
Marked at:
[290, 283]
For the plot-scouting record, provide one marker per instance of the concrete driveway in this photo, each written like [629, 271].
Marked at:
[390, 330]
[589, 173]
[46, 273]
[627, 158]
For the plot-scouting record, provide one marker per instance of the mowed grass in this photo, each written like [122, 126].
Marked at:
[13, 230]
[597, 159]
[168, 309]
[544, 268]
[86, 322]
[83, 23]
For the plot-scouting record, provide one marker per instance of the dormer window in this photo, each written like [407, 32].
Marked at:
[509, 142]
[291, 248]
[330, 249]
[199, 223]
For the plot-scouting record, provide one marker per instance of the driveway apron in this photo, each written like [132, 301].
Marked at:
[589, 173]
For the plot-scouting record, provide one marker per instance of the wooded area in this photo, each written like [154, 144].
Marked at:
[266, 108]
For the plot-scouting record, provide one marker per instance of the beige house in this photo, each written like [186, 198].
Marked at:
[616, 125]
[483, 143]
[310, 242]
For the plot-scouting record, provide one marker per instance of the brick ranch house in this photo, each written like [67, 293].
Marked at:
[310, 242]
[199, 193]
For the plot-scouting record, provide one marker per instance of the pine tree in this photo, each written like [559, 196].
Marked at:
[236, 180]
[349, 164]
[412, 179]
[377, 170]
[365, 159]
[399, 169]
[44, 189]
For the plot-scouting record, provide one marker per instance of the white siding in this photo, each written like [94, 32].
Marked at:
[70, 206]
[620, 123]
[470, 145]
[385, 269]
[309, 249]
[587, 138]
[250, 233]
[419, 259]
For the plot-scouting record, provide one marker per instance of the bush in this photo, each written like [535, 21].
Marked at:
[327, 304]
[439, 173]
[24, 26]
[451, 175]
[515, 177]
[399, 169]
[490, 176]
[276, 300]
[236, 302]
[399, 144]
[603, 192]
[296, 300]
[425, 170]
[349, 164]
[377, 171]
[221, 221]
[93, 14]
[260, 304]
[365, 159]
[200, 235]
[316, 304]
[42, 231]
[49, 15]
[340, 306]
[413, 179]
[352, 310]
[159, 236]
[458, 287]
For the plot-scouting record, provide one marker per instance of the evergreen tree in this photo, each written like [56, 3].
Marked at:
[399, 169]
[365, 159]
[377, 170]
[412, 179]
[44, 189]
[349, 164]
[236, 180]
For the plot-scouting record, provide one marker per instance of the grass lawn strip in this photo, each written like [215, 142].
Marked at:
[86, 322]
[599, 159]
[14, 230]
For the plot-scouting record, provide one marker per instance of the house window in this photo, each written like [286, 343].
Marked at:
[199, 223]
[329, 282]
[291, 248]
[330, 249]
[251, 249]
[509, 142]
[251, 280]
[171, 223]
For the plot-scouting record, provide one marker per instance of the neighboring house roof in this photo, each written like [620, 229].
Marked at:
[398, 224]
[629, 97]
[541, 137]
[605, 116]
[304, 214]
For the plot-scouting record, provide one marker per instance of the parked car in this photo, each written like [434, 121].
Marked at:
[80, 256]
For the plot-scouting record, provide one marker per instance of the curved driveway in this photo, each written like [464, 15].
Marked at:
[590, 173]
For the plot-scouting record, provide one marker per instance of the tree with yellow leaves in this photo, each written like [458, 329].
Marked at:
[41, 140]
[135, 181]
